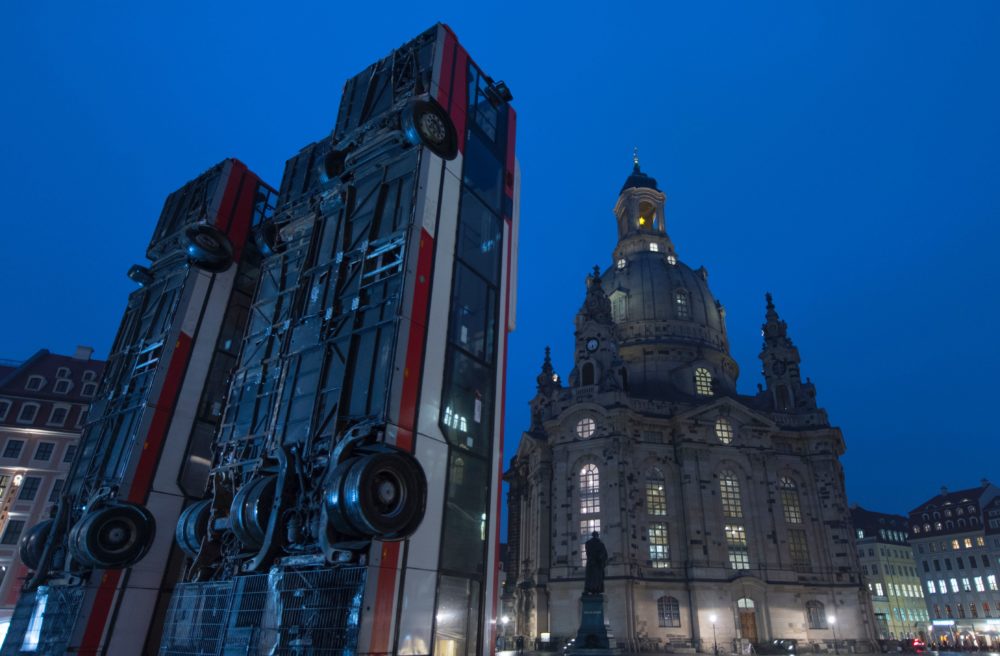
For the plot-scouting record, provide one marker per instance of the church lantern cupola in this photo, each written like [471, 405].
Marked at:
[640, 214]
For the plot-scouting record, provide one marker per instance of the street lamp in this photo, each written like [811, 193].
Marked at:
[833, 625]
[715, 643]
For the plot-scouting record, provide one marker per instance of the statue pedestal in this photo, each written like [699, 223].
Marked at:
[592, 638]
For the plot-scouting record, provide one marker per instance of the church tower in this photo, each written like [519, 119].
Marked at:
[719, 510]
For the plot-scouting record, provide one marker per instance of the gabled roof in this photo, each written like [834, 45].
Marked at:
[958, 497]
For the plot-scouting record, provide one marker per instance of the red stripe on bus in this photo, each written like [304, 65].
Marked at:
[142, 480]
[503, 405]
[385, 597]
[460, 94]
[99, 612]
[415, 344]
[511, 129]
[229, 194]
[447, 66]
[239, 227]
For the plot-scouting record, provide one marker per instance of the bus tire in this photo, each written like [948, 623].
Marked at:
[251, 511]
[425, 123]
[192, 526]
[208, 248]
[33, 543]
[114, 536]
[385, 495]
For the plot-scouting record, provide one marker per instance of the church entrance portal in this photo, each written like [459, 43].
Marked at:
[748, 619]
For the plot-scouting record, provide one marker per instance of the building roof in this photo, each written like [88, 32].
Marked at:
[877, 525]
[639, 179]
[956, 498]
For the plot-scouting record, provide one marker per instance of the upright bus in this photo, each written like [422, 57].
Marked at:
[100, 563]
[353, 502]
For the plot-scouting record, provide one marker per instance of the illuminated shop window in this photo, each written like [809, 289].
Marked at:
[681, 304]
[656, 497]
[669, 612]
[790, 501]
[703, 381]
[586, 427]
[659, 546]
[723, 430]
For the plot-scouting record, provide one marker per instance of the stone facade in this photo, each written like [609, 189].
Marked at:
[890, 574]
[718, 509]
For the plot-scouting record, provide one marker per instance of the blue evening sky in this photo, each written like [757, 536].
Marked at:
[843, 155]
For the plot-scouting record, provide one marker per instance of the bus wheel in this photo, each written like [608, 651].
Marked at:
[33, 543]
[208, 248]
[113, 536]
[385, 495]
[426, 123]
[192, 526]
[251, 511]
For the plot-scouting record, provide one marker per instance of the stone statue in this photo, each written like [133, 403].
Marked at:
[597, 559]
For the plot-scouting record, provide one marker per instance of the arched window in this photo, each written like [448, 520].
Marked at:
[619, 306]
[732, 508]
[703, 381]
[724, 430]
[816, 613]
[729, 491]
[587, 374]
[590, 505]
[746, 603]
[590, 490]
[682, 307]
[790, 501]
[669, 611]
[586, 427]
[656, 496]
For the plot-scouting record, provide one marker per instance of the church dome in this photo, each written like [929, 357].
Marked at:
[671, 330]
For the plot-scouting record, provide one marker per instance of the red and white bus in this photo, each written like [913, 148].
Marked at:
[100, 562]
[354, 498]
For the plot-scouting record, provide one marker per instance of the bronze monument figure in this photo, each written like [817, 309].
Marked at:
[597, 559]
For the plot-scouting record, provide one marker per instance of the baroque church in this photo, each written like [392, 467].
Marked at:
[724, 515]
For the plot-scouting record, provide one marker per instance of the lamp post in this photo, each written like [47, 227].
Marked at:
[715, 643]
[833, 625]
[504, 621]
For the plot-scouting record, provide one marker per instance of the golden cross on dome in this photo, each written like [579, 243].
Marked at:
[635, 156]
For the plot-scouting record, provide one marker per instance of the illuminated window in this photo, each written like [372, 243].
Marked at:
[942, 586]
[723, 430]
[669, 611]
[968, 543]
[930, 587]
[790, 501]
[587, 528]
[729, 492]
[878, 590]
[980, 542]
[991, 581]
[979, 584]
[672, 260]
[954, 585]
[937, 526]
[816, 613]
[654, 247]
[703, 381]
[681, 305]
[797, 547]
[916, 529]
[656, 496]
[659, 546]
[736, 541]
[586, 427]
[590, 490]
[954, 544]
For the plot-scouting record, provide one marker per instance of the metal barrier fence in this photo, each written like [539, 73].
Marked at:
[284, 613]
